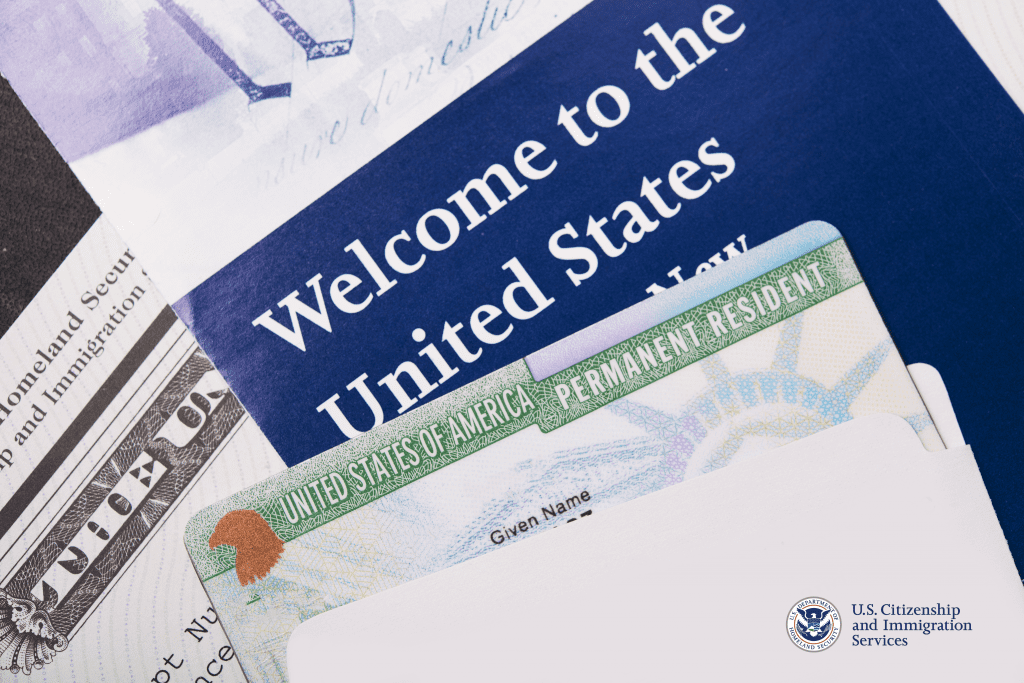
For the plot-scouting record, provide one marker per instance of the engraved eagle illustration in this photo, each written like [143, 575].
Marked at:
[27, 638]
[258, 547]
[812, 629]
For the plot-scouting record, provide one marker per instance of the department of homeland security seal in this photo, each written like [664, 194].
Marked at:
[813, 624]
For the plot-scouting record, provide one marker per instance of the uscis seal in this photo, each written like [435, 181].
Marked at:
[813, 624]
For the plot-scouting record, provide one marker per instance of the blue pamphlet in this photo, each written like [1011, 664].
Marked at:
[628, 149]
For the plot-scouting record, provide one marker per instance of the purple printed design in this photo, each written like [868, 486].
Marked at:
[221, 58]
[797, 406]
[314, 50]
[96, 73]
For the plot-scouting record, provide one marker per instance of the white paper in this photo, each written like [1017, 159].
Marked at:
[69, 408]
[936, 400]
[696, 581]
[995, 28]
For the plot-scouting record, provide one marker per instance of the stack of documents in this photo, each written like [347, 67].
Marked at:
[517, 340]
[767, 350]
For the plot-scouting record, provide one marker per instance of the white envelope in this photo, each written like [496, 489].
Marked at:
[936, 399]
[698, 581]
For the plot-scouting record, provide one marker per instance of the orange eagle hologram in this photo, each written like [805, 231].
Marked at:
[258, 547]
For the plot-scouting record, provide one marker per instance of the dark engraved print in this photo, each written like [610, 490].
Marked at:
[26, 635]
[74, 564]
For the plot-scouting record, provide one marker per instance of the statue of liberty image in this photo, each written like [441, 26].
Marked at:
[736, 415]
